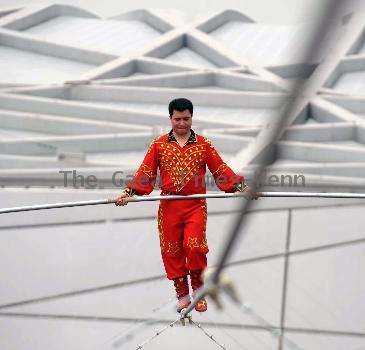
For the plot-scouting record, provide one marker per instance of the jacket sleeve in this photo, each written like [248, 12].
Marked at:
[144, 179]
[224, 177]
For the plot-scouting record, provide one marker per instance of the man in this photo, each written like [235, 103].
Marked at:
[182, 157]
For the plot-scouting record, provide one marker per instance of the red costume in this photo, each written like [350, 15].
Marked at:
[182, 223]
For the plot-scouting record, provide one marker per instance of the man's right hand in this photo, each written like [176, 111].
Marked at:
[122, 199]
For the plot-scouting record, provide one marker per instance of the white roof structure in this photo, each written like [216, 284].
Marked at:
[84, 93]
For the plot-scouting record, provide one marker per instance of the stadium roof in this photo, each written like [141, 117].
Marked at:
[106, 84]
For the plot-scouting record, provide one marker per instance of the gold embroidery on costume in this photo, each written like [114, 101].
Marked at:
[204, 243]
[193, 243]
[181, 165]
[166, 247]
[173, 248]
[203, 205]
[151, 144]
[220, 170]
[160, 230]
[145, 169]
[214, 152]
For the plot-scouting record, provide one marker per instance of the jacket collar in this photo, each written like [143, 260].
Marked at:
[191, 139]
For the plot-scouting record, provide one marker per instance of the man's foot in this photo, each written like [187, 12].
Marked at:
[197, 283]
[182, 292]
[183, 303]
[202, 305]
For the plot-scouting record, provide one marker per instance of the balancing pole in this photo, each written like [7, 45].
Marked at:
[179, 197]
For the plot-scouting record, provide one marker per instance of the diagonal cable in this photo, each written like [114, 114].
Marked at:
[210, 336]
[122, 338]
[158, 333]
[246, 308]
[269, 136]
[223, 330]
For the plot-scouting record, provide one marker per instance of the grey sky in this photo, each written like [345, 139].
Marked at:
[268, 11]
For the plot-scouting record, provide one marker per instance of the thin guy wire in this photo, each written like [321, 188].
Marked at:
[221, 327]
[126, 336]
[246, 308]
[158, 333]
[210, 336]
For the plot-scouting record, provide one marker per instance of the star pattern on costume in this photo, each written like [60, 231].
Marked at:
[204, 243]
[173, 248]
[202, 303]
[193, 242]
[201, 306]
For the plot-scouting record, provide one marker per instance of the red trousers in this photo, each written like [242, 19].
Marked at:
[182, 225]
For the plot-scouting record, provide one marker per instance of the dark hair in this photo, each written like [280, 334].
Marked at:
[180, 104]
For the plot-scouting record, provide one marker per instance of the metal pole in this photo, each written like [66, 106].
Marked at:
[179, 197]
[267, 138]
[56, 205]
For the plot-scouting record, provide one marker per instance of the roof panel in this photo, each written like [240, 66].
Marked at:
[266, 44]
[351, 82]
[188, 57]
[16, 134]
[19, 66]
[311, 229]
[110, 36]
[325, 341]
[238, 116]
[326, 290]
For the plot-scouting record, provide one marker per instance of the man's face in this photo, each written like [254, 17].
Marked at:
[181, 122]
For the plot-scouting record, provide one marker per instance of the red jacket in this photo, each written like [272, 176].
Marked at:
[183, 169]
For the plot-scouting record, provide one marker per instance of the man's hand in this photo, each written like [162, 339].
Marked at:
[249, 193]
[122, 199]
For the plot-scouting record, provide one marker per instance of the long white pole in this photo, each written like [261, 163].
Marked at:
[179, 197]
